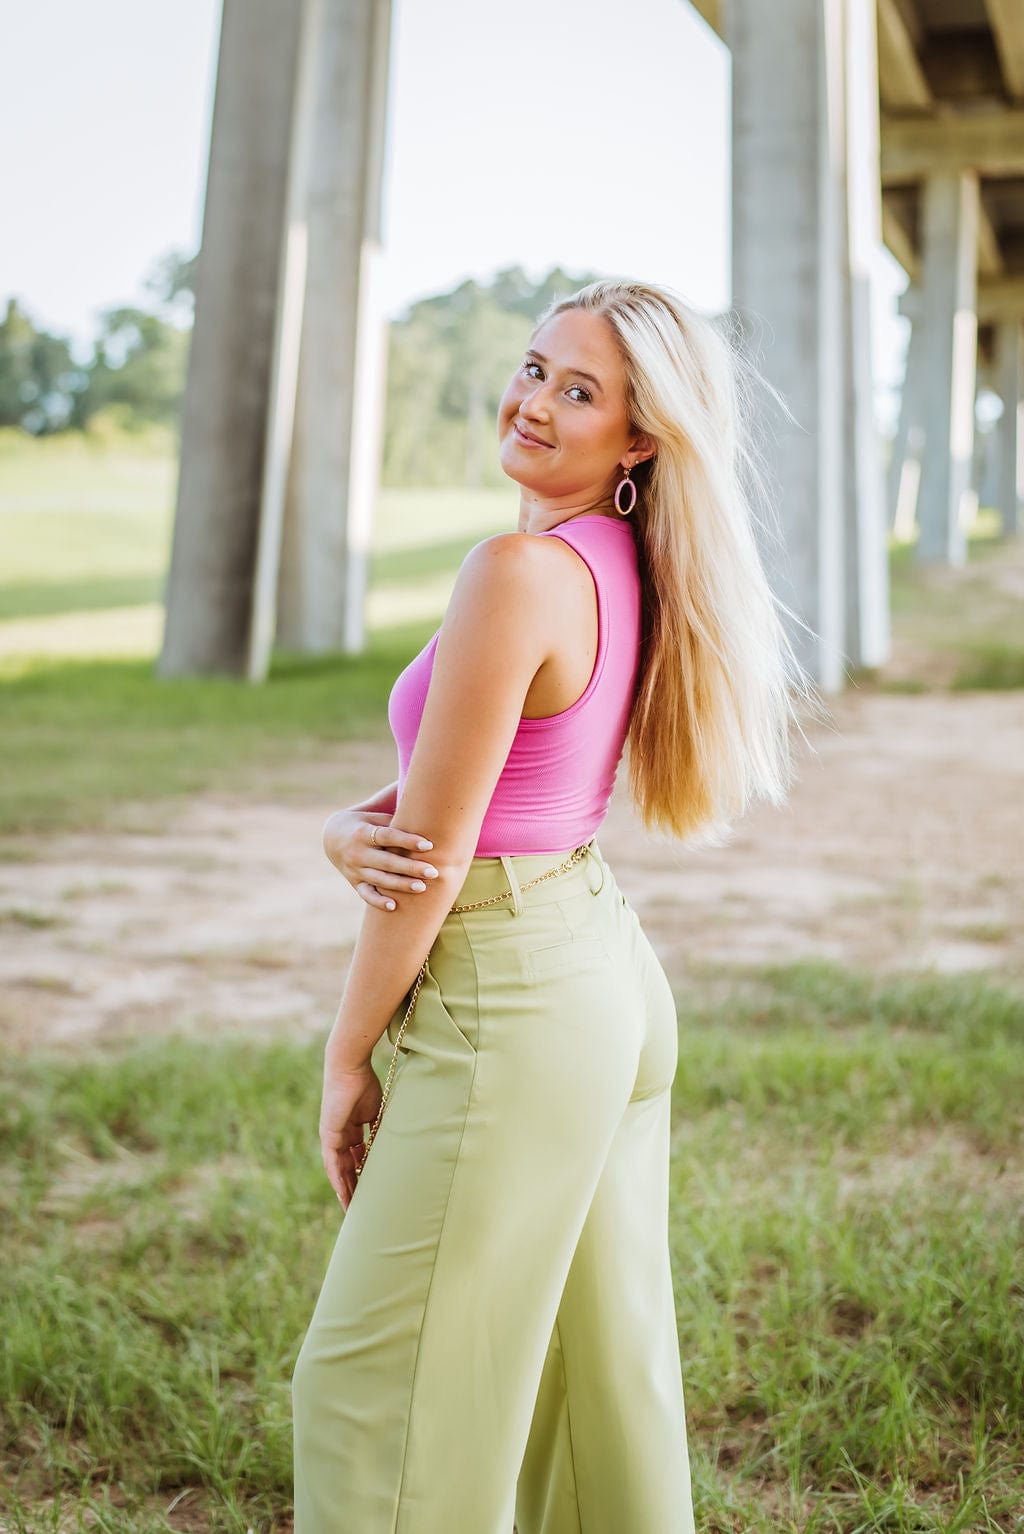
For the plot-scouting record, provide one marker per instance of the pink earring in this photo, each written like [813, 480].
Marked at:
[624, 511]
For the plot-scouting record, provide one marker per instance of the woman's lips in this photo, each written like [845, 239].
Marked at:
[528, 441]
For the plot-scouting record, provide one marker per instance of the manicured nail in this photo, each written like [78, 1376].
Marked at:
[418, 884]
[425, 845]
[428, 868]
[390, 904]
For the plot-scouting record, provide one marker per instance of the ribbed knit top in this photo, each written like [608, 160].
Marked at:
[554, 789]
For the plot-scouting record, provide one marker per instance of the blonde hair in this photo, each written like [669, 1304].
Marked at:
[719, 680]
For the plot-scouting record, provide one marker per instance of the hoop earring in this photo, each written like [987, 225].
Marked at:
[625, 480]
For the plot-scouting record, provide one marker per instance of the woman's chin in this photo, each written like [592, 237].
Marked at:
[510, 468]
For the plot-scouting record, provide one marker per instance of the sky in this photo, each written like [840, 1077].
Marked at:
[585, 133]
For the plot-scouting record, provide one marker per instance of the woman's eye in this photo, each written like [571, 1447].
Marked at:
[587, 396]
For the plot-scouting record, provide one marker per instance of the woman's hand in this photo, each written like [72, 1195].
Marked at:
[374, 870]
[351, 1098]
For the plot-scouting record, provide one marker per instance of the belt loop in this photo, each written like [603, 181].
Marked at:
[513, 884]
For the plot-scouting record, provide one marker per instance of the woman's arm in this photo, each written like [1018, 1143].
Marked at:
[376, 869]
[383, 801]
[492, 642]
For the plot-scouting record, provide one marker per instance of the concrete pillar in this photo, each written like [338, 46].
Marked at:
[950, 324]
[908, 446]
[291, 298]
[335, 453]
[984, 454]
[867, 635]
[1009, 431]
[787, 135]
[210, 582]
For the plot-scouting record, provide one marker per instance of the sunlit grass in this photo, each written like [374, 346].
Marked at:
[86, 740]
[845, 1232]
[970, 619]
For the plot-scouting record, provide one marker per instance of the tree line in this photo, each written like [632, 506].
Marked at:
[449, 358]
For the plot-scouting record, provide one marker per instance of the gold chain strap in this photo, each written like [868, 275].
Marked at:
[477, 905]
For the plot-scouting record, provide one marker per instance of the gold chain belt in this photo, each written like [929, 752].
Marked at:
[476, 905]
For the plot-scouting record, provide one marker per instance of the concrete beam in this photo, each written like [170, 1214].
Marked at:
[901, 80]
[1001, 298]
[1006, 18]
[991, 144]
[990, 256]
[711, 12]
[998, 298]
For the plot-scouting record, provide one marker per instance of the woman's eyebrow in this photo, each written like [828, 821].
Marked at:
[577, 372]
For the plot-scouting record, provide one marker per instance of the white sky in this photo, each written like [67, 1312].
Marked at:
[591, 133]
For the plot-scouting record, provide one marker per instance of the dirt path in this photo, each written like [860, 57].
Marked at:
[902, 846]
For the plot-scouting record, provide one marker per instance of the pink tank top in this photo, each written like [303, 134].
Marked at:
[555, 786]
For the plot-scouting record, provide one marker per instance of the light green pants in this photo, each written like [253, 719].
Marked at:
[496, 1335]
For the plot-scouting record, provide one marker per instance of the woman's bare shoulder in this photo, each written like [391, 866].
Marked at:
[513, 564]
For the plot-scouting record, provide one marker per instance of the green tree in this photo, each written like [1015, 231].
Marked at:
[140, 362]
[40, 383]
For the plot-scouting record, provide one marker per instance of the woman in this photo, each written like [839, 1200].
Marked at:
[495, 1336]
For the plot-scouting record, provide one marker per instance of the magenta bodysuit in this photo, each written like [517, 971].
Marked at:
[554, 788]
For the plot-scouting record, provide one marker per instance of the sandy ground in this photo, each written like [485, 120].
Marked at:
[901, 847]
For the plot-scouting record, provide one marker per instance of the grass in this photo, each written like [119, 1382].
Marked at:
[87, 743]
[845, 1229]
[970, 621]
[994, 666]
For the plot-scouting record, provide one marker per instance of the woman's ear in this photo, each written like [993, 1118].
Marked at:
[644, 446]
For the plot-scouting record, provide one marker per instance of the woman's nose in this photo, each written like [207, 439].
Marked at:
[535, 402]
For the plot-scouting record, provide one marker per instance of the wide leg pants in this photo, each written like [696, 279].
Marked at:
[495, 1337]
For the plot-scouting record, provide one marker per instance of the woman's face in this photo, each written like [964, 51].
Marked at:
[569, 396]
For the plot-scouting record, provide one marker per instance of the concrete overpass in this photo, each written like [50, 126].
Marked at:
[852, 121]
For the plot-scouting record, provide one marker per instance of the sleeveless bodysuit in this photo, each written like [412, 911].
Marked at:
[554, 789]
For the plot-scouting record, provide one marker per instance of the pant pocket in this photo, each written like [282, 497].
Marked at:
[569, 957]
[442, 1008]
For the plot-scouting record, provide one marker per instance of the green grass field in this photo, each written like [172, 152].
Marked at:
[846, 1238]
[848, 1186]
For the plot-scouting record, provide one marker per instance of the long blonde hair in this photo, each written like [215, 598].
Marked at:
[719, 680]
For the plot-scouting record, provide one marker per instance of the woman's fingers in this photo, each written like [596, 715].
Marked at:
[398, 873]
[334, 1174]
[339, 1164]
[373, 896]
[374, 869]
[392, 836]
